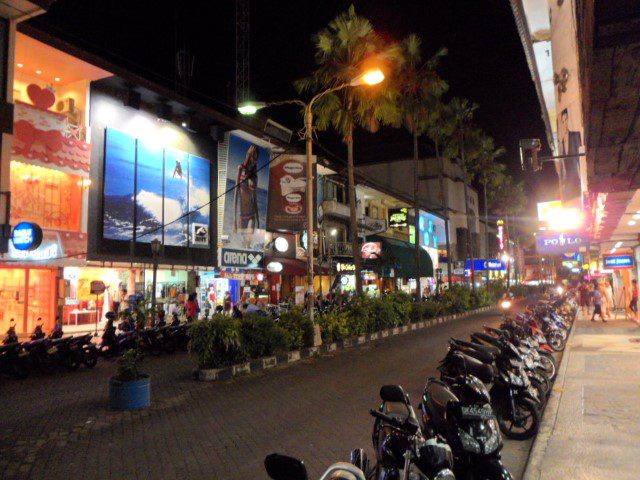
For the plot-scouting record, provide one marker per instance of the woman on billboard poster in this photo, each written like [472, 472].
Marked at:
[246, 197]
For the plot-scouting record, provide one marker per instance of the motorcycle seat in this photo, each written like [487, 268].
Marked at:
[479, 355]
[478, 346]
[8, 347]
[483, 371]
[485, 338]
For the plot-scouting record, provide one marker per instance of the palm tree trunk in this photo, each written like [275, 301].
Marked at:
[445, 208]
[353, 217]
[486, 230]
[466, 211]
[416, 213]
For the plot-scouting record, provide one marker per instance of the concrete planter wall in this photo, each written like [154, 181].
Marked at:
[265, 363]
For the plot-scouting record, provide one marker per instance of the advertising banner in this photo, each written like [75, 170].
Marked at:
[371, 250]
[398, 217]
[617, 262]
[553, 243]
[480, 265]
[245, 205]
[287, 194]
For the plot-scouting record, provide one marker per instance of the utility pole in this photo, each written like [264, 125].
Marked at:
[242, 51]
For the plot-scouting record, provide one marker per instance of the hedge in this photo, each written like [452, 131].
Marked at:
[223, 341]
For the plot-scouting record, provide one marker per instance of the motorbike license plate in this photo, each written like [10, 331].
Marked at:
[52, 350]
[477, 413]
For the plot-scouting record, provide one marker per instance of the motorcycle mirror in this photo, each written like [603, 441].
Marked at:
[282, 467]
[393, 393]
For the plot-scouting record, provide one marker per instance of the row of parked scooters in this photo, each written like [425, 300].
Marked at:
[495, 383]
[46, 353]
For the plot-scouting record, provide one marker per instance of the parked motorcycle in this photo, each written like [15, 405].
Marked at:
[282, 467]
[459, 410]
[14, 360]
[402, 451]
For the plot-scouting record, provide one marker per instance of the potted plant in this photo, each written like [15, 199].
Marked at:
[130, 389]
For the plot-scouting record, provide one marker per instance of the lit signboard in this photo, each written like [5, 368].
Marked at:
[617, 262]
[26, 236]
[553, 243]
[398, 217]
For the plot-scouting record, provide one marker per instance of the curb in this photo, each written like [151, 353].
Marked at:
[265, 363]
[533, 470]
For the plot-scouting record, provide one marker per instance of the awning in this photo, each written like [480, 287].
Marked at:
[399, 256]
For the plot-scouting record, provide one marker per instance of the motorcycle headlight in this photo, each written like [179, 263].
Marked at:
[515, 380]
[469, 443]
[493, 436]
[445, 474]
[528, 362]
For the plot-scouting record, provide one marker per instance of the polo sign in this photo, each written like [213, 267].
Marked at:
[617, 262]
[26, 236]
[553, 243]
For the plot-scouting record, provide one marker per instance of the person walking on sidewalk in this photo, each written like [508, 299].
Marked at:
[583, 297]
[633, 306]
[598, 298]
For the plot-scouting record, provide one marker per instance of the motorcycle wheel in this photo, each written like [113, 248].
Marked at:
[90, 358]
[169, 344]
[526, 422]
[556, 342]
[549, 366]
[71, 362]
[542, 386]
[46, 364]
[20, 369]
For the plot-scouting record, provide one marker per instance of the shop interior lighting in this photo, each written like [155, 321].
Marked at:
[636, 216]
[38, 72]
[613, 250]
[57, 79]
[334, 232]
[184, 124]
[631, 223]
[20, 65]
[618, 245]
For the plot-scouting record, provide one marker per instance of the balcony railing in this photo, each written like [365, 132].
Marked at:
[339, 249]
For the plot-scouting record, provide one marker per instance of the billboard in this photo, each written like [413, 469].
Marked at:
[547, 210]
[245, 205]
[119, 176]
[152, 190]
[480, 265]
[555, 243]
[287, 194]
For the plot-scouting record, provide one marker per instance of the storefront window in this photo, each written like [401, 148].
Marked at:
[50, 198]
[26, 295]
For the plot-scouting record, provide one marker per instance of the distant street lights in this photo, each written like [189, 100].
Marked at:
[370, 77]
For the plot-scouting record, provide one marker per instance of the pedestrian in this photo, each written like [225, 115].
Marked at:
[235, 312]
[193, 309]
[227, 303]
[583, 297]
[608, 295]
[633, 306]
[598, 298]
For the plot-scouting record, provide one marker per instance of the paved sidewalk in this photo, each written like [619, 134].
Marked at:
[591, 429]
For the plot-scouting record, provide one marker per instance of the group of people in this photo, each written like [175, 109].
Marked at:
[599, 294]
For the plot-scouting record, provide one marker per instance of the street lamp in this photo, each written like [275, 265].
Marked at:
[156, 246]
[370, 77]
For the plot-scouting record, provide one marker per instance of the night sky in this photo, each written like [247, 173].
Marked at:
[486, 62]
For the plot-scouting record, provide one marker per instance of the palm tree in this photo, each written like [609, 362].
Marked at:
[439, 130]
[462, 145]
[418, 89]
[343, 50]
[490, 173]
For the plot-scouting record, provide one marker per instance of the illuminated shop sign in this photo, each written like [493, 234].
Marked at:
[241, 258]
[558, 243]
[398, 217]
[500, 235]
[343, 267]
[371, 250]
[26, 236]
[480, 265]
[617, 261]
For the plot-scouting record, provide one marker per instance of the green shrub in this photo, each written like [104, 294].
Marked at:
[361, 315]
[402, 305]
[261, 336]
[298, 327]
[129, 365]
[216, 343]
[334, 326]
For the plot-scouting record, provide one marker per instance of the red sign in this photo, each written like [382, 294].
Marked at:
[371, 250]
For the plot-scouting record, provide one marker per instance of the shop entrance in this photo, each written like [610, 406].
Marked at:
[26, 295]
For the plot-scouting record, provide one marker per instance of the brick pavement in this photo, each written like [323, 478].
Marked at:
[58, 427]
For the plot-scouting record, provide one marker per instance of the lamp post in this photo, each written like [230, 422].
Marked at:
[372, 77]
[156, 245]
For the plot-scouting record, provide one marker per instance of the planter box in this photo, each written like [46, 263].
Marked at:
[310, 352]
[374, 336]
[241, 369]
[395, 331]
[328, 347]
[384, 333]
[404, 328]
[127, 396]
[361, 339]
[289, 357]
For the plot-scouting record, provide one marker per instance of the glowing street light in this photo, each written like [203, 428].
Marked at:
[370, 77]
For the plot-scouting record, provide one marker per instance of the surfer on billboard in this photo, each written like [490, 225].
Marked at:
[246, 196]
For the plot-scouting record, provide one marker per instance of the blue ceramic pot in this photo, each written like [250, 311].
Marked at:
[133, 395]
